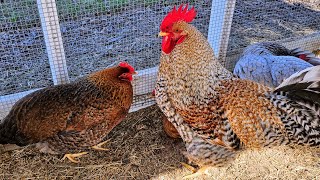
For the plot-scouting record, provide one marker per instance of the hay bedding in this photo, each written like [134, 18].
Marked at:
[139, 149]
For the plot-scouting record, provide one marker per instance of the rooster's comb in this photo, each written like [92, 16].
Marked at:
[126, 65]
[182, 14]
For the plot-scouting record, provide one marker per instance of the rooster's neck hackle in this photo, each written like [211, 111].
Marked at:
[108, 78]
[192, 69]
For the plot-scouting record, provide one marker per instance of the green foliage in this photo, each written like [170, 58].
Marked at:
[16, 11]
[13, 17]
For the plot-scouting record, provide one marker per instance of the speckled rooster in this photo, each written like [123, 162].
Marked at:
[217, 114]
[270, 63]
[72, 117]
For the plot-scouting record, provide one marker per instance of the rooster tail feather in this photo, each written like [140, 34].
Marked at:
[308, 56]
[314, 61]
[299, 98]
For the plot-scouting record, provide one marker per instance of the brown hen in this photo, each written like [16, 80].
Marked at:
[71, 117]
[168, 127]
[217, 114]
[170, 130]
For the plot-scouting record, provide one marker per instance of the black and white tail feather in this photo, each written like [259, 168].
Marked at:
[310, 56]
[299, 99]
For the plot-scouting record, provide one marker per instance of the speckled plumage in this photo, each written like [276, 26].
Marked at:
[216, 114]
[270, 63]
[70, 117]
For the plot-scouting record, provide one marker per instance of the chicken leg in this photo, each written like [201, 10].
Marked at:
[98, 146]
[195, 172]
[72, 157]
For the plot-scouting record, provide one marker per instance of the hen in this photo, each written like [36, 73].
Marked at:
[170, 130]
[270, 63]
[217, 114]
[71, 117]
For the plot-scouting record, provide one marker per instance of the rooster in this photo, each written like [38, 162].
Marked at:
[217, 114]
[270, 63]
[71, 117]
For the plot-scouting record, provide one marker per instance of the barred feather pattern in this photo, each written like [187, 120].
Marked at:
[180, 98]
[301, 118]
[200, 150]
[217, 114]
[252, 116]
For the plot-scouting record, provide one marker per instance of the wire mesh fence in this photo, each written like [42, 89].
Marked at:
[292, 22]
[22, 48]
[97, 33]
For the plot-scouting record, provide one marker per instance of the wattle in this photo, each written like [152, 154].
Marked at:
[167, 44]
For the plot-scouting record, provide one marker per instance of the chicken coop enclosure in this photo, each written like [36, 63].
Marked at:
[48, 42]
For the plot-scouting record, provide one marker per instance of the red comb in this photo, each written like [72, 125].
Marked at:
[303, 57]
[126, 65]
[182, 14]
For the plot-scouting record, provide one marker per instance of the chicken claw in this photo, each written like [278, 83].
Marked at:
[195, 172]
[189, 167]
[98, 146]
[72, 156]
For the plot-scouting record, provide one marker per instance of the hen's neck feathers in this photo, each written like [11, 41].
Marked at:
[192, 69]
[108, 77]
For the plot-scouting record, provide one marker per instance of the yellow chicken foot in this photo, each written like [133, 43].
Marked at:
[189, 167]
[72, 157]
[195, 172]
[98, 146]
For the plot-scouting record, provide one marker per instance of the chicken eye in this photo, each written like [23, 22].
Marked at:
[177, 30]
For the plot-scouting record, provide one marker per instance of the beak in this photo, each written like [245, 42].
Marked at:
[135, 73]
[162, 34]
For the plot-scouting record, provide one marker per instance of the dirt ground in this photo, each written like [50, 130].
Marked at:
[261, 20]
[139, 149]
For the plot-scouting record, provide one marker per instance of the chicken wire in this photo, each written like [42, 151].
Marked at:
[84, 36]
[24, 62]
[293, 23]
[97, 34]
[91, 35]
